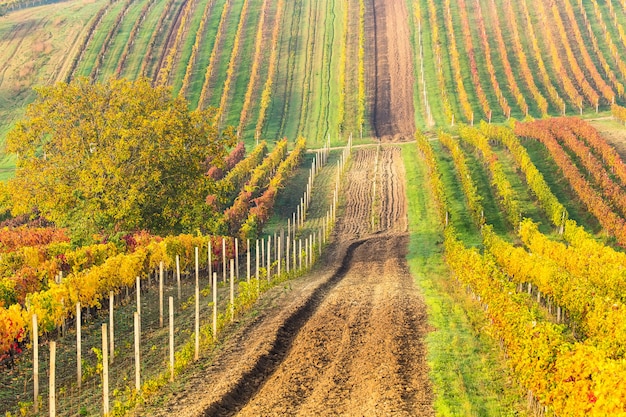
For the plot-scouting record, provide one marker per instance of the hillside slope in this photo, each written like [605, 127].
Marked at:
[329, 68]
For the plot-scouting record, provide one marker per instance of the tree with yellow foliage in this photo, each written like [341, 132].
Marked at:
[116, 156]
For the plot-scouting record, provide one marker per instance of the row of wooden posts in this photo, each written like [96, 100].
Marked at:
[301, 259]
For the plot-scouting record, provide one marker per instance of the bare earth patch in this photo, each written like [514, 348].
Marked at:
[393, 112]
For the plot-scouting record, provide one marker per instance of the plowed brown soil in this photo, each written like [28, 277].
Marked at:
[359, 353]
[347, 339]
[392, 215]
[393, 111]
[355, 221]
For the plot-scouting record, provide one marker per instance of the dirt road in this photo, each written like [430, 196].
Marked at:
[390, 69]
[361, 352]
[345, 341]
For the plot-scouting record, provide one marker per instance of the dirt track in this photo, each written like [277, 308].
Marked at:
[387, 31]
[359, 353]
[347, 340]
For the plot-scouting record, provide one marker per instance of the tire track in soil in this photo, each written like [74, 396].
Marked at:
[253, 380]
[393, 206]
[355, 355]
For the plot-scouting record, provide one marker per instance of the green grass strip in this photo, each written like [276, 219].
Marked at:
[467, 372]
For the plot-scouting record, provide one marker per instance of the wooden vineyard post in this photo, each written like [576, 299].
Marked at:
[214, 305]
[299, 254]
[171, 339]
[257, 253]
[278, 257]
[52, 401]
[263, 253]
[79, 371]
[105, 371]
[258, 263]
[223, 261]
[311, 250]
[197, 322]
[161, 294]
[35, 339]
[139, 301]
[111, 331]
[269, 257]
[232, 290]
[210, 261]
[178, 275]
[236, 258]
[306, 253]
[319, 241]
[197, 265]
[137, 352]
[287, 250]
[248, 262]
